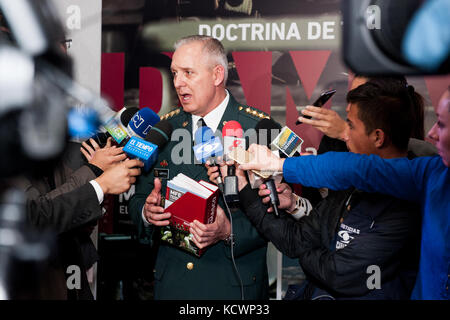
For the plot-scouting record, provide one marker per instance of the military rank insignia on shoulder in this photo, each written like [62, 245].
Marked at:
[253, 112]
[171, 114]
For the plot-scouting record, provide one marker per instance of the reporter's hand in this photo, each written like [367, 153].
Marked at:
[153, 211]
[240, 174]
[208, 234]
[120, 177]
[263, 159]
[105, 157]
[285, 195]
[326, 120]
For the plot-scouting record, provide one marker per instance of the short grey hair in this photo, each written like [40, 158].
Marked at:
[211, 46]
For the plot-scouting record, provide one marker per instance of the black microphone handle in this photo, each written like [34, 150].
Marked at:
[212, 163]
[231, 186]
[274, 200]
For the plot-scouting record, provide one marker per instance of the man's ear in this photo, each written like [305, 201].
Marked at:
[218, 74]
[378, 138]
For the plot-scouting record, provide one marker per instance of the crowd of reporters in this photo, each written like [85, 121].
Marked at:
[335, 238]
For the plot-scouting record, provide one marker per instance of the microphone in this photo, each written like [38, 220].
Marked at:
[123, 117]
[232, 136]
[116, 125]
[147, 150]
[266, 128]
[141, 123]
[288, 142]
[231, 186]
[126, 115]
[207, 145]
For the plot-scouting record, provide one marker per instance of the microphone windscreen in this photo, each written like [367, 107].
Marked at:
[232, 128]
[203, 134]
[127, 114]
[160, 133]
[142, 122]
[267, 130]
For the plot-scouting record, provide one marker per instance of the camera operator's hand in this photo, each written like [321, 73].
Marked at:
[120, 177]
[105, 157]
[285, 195]
[153, 211]
[326, 120]
[208, 234]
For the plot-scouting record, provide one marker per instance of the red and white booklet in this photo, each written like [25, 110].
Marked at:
[188, 200]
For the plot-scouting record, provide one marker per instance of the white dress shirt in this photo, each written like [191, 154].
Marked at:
[98, 191]
[213, 118]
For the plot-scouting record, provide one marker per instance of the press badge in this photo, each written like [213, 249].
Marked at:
[161, 173]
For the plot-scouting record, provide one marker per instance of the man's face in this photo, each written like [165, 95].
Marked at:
[194, 79]
[440, 132]
[357, 139]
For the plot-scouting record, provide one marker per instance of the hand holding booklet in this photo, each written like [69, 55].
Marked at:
[188, 200]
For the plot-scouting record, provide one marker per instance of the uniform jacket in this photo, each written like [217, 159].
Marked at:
[212, 275]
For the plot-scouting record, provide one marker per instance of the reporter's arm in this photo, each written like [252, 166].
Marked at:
[400, 177]
[120, 177]
[65, 211]
[287, 234]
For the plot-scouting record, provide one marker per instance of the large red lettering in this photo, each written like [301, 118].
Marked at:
[309, 66]
[255, 72]
[150, 88]
[112, 78]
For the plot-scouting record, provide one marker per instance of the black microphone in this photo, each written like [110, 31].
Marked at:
[267, 130]
[127, 114]
[231, 186]
[160, 133]
[213, 163]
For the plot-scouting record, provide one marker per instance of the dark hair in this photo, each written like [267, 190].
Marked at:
[397, 85]
[387, 110]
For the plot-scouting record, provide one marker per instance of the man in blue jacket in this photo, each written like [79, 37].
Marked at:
[425, 180]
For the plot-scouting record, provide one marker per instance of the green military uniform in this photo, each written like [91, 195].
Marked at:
[180, 275]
